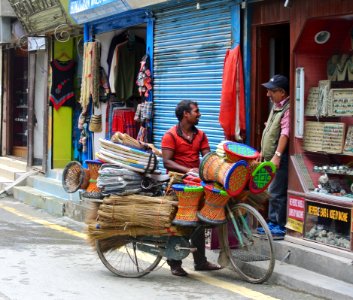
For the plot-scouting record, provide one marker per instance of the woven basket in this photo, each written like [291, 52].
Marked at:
[189, 198]
[74, 177]
[215, 200]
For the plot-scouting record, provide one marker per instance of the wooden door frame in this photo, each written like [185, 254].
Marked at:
[261, 70]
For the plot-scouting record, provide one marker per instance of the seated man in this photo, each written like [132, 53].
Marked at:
[181, 148]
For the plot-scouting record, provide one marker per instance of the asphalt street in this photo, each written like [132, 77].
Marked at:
[44, 257]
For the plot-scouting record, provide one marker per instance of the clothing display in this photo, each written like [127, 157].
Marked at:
[62, 89]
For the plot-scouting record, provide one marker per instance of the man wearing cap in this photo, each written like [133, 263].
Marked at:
[274, 148]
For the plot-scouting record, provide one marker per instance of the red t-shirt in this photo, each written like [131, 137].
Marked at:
[186, 153]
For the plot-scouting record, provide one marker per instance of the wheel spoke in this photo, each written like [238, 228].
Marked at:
[253, 258]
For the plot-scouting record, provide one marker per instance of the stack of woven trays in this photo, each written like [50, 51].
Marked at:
[117, 180]
[127, 157]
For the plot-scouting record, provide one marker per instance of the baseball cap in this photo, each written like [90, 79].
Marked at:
[276, 82]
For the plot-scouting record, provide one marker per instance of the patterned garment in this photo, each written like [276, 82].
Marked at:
[62, 88]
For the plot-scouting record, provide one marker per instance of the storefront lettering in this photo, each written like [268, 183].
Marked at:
[295, 213]
[296, 202]
[324, 212]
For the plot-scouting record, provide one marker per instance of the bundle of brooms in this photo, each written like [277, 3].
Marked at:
[133, 215]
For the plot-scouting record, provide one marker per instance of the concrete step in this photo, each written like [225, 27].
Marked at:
[39, 199]
[301, 279]
[52, 204]
[4, 182]
[52, 186]
[13, 163]
[328, 261]
[9, 172]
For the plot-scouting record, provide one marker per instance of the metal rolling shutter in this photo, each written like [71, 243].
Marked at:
[189, 50]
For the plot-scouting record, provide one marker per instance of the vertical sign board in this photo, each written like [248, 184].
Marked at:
[295, 213]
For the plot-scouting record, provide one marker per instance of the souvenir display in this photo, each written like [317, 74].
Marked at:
[311, 108]
[340, 102]
[348, 145]
[324, 136]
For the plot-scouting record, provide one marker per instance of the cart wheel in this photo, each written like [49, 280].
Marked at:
[135, 259]
[253, 258]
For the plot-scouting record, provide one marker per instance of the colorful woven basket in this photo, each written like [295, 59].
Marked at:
[215, 200]
[92, 190]
[261, 176]
[237, 151]
[233, 176]
[189, 198]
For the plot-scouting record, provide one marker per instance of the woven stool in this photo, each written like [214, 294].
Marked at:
[188, 203]
[233, 176]
[215, 200]
[261, 175]
[237, 151]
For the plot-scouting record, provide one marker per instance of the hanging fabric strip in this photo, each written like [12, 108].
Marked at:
[90, 75]
[232, 110]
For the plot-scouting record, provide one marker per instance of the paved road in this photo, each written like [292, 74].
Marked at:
[43, 257]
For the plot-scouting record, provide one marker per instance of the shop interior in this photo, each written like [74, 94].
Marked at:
[323, 143]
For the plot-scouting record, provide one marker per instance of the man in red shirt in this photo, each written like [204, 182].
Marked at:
[181, 149]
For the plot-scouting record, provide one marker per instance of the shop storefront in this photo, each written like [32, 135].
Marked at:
[321, 172]
[184, 46]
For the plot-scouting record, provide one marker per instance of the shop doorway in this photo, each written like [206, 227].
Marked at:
[272, 57]
[16, 76]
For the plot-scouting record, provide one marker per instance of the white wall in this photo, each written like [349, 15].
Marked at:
[39, 104]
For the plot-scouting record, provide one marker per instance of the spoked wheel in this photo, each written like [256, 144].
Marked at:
[134, 259]
[253, 257]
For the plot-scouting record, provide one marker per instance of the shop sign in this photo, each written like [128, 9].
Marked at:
[296, 213]
[84, 11]
[39, 16]
[334, 213]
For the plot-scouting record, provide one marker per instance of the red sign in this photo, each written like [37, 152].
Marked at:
[296, 208]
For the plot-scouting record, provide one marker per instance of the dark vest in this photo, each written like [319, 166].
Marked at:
[272, 131]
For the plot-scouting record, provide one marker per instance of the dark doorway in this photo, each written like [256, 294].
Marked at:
[272, 57]
[18, 103]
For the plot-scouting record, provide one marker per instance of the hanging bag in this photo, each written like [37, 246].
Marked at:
[95, 124]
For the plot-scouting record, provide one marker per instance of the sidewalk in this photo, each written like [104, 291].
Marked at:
[295, 265]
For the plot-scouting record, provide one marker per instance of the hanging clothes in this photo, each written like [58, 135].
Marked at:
[62, 88]
[129, 56]
[116, 40]
[90, 75]
[232, 110]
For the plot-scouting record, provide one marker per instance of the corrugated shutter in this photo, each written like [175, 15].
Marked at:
[189, 50]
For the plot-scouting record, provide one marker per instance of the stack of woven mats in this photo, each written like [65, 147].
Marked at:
[118, 180]
[132, 215]
[127, 157]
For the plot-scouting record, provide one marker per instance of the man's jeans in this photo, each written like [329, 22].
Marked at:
[277, 211]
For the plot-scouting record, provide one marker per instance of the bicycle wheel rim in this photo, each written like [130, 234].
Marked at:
[134, 259]
[253, 257]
